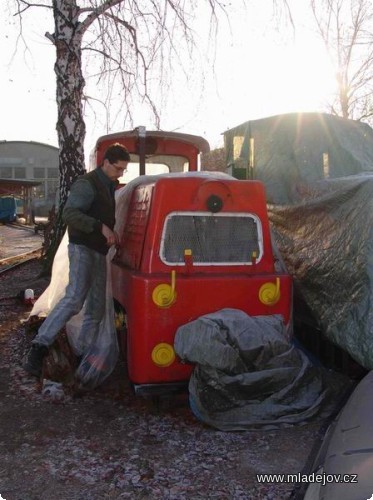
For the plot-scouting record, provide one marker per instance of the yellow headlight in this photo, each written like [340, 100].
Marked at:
[163, 355]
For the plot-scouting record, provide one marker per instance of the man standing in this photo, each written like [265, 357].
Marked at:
[89, 214]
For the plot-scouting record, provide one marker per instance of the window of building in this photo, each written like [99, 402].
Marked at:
[52, 173]
[39, 173]
[6, 172]
[19, 172]
[326, 165]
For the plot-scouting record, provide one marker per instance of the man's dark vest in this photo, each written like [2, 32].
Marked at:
[101, 209]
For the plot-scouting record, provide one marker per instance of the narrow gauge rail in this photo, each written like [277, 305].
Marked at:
[18, 260]
[16, 225]
[18, 250]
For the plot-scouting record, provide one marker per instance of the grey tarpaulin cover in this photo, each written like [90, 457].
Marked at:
[327, 245]
[318, 173]
[247, 374]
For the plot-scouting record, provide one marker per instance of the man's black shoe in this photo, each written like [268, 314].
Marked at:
[34, 362]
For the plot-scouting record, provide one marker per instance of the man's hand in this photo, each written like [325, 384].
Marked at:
[111, 236]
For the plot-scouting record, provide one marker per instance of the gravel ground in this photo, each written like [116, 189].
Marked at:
[110, 444]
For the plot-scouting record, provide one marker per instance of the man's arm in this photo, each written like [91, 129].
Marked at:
[78, 203]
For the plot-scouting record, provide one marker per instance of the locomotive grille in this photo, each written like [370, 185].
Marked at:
[213, 238]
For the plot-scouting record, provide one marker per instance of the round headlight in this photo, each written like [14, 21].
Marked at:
[163, 355]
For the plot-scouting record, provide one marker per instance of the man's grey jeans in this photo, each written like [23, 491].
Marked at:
[87, 284]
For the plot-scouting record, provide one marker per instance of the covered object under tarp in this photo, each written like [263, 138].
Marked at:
[289, 152]
[318, 173]
[248, 375]
[327, 245]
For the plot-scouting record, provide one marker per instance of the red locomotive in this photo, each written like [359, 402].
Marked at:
[191, 243]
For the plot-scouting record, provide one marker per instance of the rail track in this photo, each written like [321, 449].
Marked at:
[16, 225]
[18, 246]
[18, 260]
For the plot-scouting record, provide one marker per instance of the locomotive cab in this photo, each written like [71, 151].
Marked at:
[153, 152]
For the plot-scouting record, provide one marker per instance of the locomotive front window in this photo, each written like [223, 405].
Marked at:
[155, 165]
[215, 239]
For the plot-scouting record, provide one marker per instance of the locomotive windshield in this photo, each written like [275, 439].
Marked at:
[154, 165]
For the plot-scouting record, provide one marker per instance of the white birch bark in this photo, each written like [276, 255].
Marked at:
[67, 38]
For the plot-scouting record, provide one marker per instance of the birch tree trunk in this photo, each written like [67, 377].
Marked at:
[67, 38]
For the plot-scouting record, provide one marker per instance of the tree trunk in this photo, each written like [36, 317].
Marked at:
[67, 39]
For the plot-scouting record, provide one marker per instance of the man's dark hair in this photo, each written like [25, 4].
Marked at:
[117, 152]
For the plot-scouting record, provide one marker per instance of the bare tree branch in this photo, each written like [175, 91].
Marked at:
[27, 5]
[96, 12]
[347, 31]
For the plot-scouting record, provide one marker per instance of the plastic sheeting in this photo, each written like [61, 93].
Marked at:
[327, 245]
[98, 354]
[248, 375]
